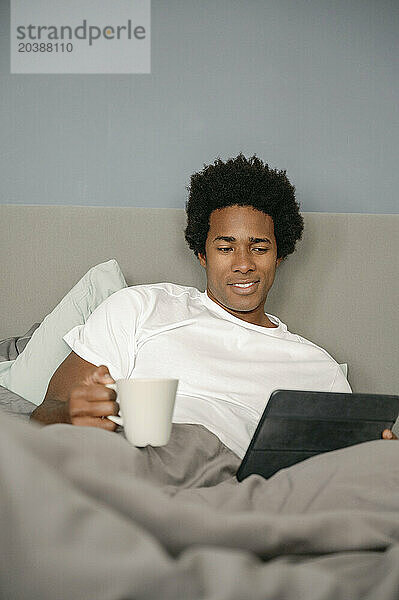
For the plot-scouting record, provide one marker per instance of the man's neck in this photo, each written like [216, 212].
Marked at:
[257, 317]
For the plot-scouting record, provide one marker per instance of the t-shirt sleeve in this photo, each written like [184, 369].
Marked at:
[340, 383]
[109, 334]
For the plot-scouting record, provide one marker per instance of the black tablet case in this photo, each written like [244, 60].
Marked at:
[296, 425]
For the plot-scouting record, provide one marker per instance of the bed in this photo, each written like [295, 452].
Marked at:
[86, 515]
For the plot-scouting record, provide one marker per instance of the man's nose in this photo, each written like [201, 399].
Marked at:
[243, 261]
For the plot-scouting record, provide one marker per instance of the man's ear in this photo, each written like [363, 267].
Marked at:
[278, 261]
[202, 259]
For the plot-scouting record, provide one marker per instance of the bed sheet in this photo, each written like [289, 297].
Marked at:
[12, 403]
[15, 405]
[87, 515]
[12, 346]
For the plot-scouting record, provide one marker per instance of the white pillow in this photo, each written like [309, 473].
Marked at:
[344, 369]
[30, 373]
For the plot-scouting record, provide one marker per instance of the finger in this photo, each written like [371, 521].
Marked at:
[387, 434]
[97, 392]
[103, 409]
[83, 394]
[95, 422]
[102, 375]
[94, 409]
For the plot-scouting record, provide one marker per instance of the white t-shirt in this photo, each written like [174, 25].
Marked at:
[227, 368]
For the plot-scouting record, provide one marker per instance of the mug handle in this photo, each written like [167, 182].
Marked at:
[116, 419]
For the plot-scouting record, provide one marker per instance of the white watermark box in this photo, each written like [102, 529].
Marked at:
[80, 36]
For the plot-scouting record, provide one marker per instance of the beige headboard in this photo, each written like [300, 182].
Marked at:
[340, 288]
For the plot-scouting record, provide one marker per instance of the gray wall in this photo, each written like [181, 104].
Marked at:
[311, 86]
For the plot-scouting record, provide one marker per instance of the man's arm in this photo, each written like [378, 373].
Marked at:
[77, 394]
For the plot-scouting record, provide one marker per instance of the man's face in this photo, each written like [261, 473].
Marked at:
[240, 249]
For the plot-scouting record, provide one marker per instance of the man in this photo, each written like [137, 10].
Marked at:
[228, 354]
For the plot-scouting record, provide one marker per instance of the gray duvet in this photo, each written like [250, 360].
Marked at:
[84, 515]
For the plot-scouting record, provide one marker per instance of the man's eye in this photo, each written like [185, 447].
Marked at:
[226, 249]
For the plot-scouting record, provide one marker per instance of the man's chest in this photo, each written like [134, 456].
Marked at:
[227, 362]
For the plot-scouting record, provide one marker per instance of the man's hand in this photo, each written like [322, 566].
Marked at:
[91, 401]
[79, 397]
[387, 434]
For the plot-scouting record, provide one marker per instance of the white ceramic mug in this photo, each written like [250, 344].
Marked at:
[146, 406]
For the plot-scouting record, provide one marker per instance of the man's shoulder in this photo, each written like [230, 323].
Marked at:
[142, 296]
[315, 346]
[154, 303]
[146, 296]
[173, 290]
[163, 304]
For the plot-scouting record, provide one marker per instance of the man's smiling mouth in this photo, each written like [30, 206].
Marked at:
[244, 285]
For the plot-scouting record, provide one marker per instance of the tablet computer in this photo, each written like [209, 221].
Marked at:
[296, 425]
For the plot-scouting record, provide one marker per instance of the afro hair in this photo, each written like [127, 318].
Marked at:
[243, 182]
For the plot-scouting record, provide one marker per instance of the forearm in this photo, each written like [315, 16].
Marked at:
[51, 411]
